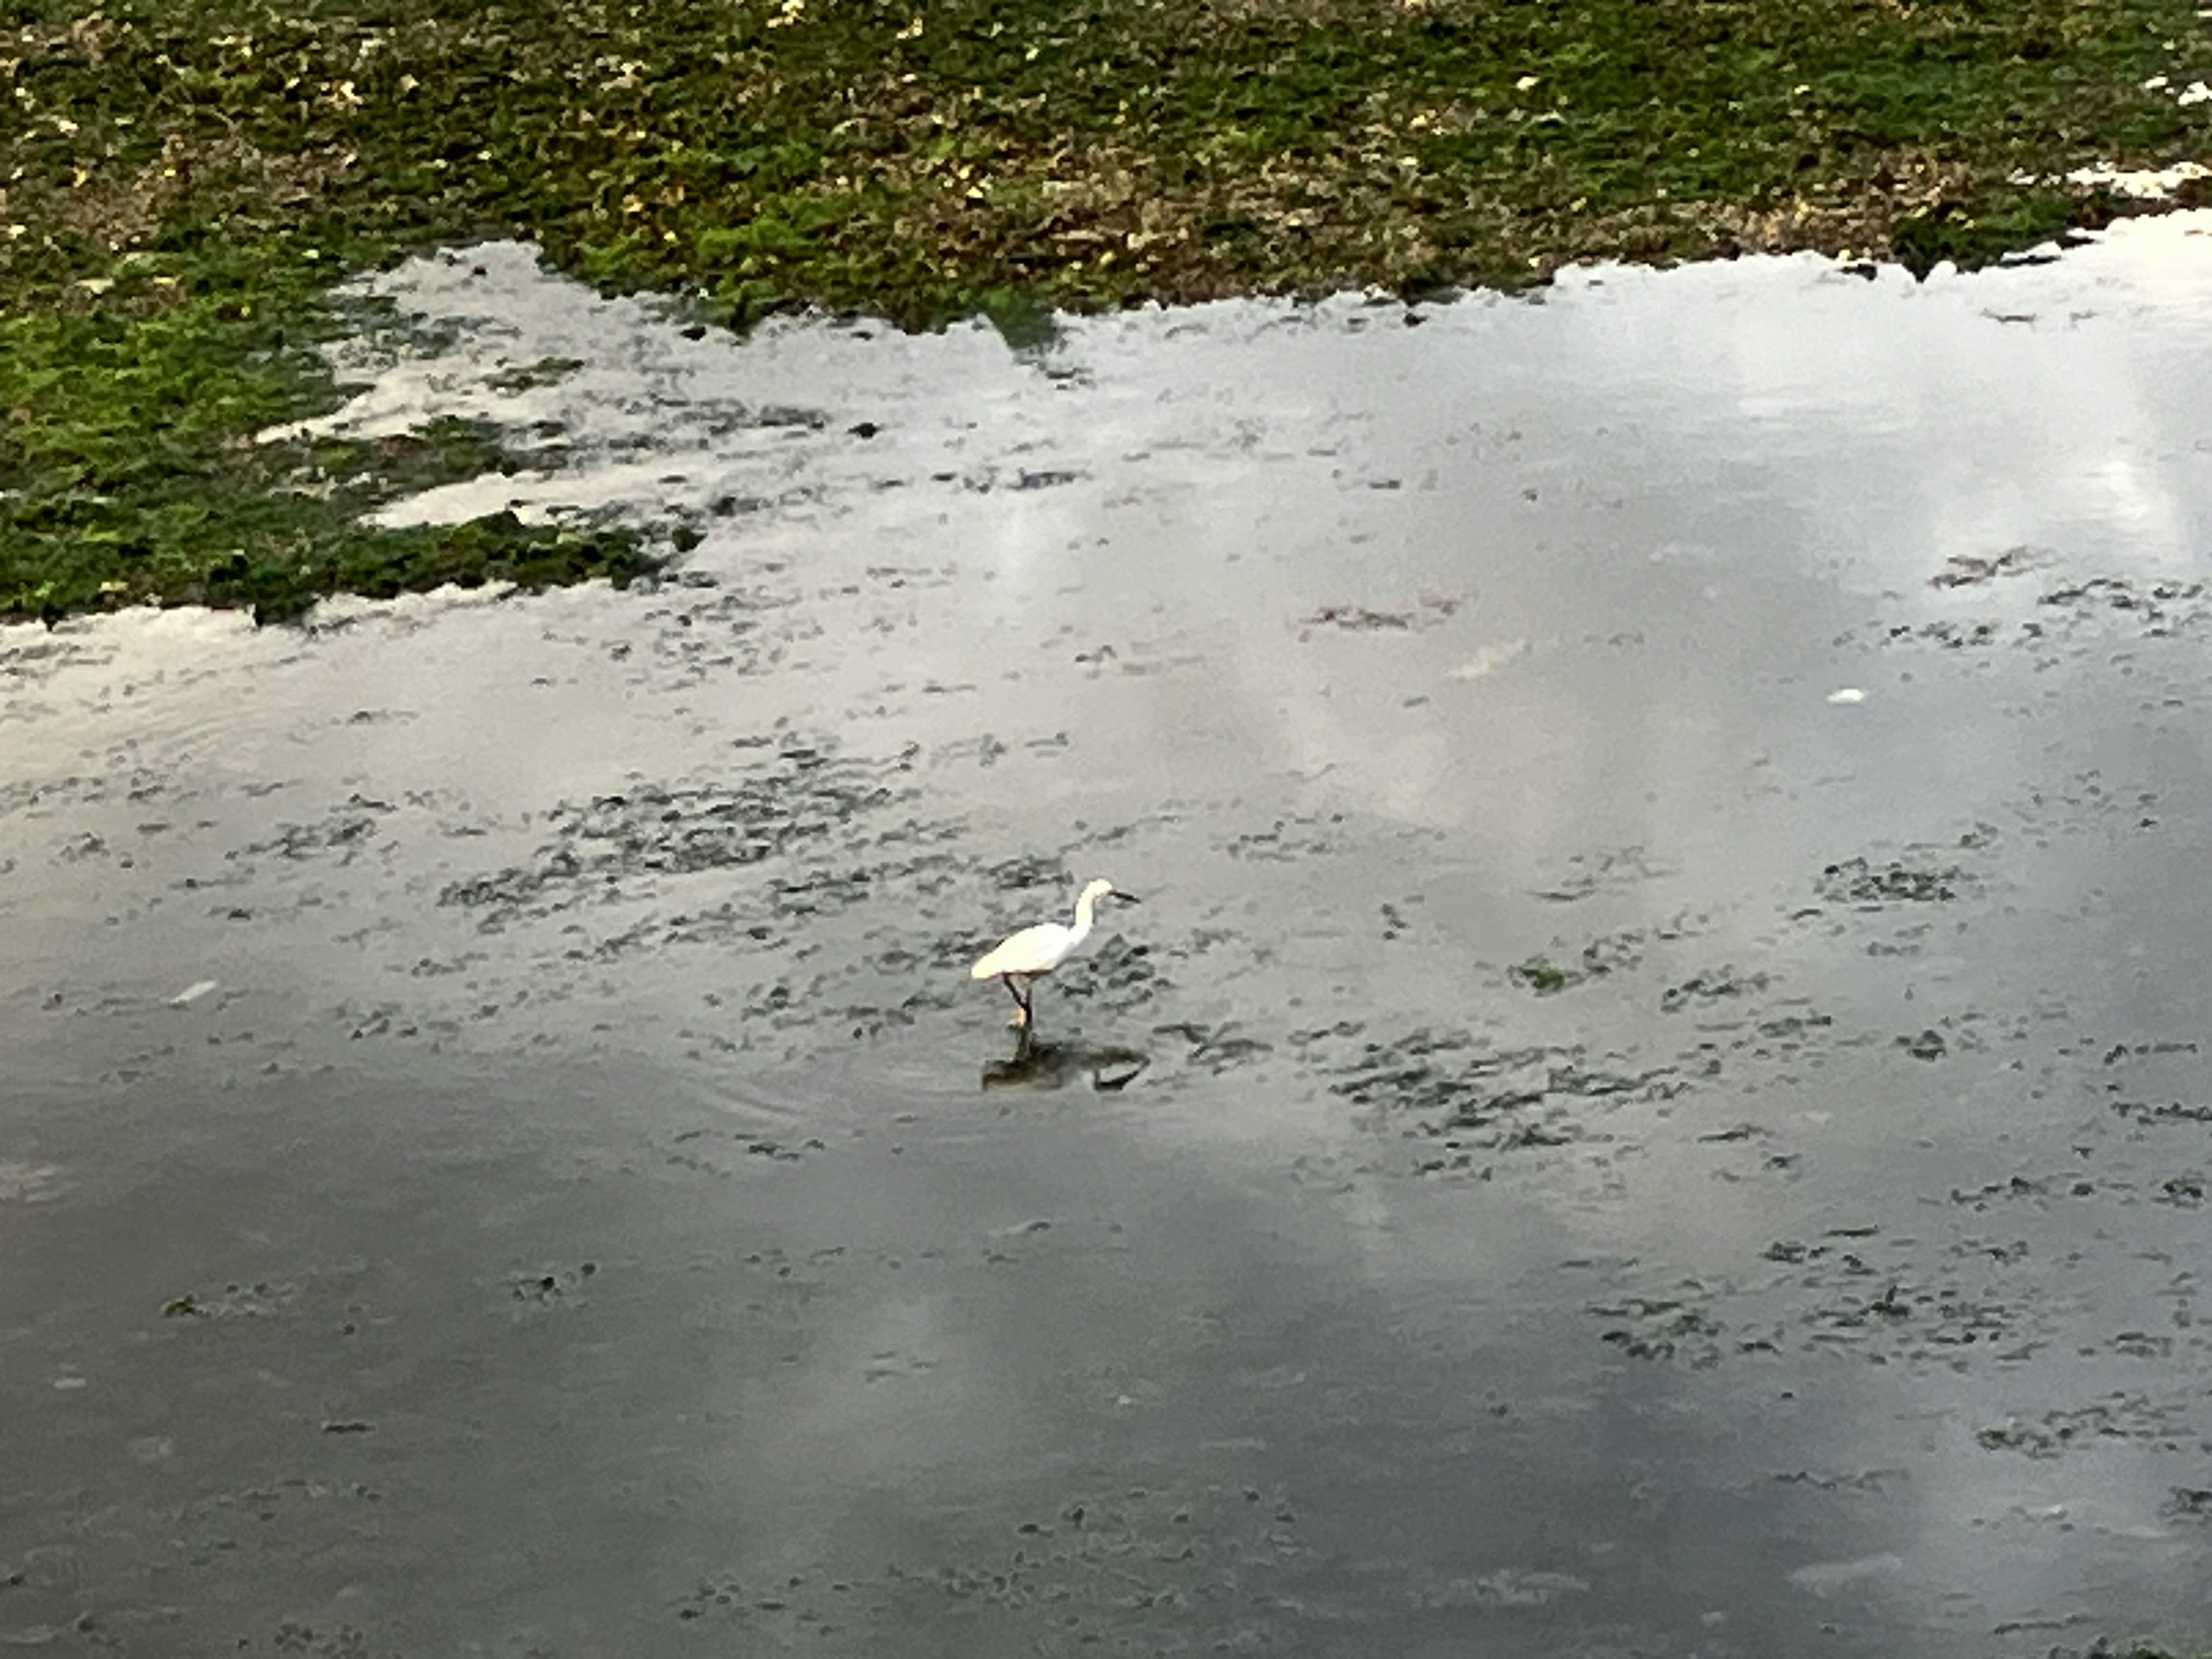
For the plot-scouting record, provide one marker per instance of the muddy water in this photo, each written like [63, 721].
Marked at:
[1658, 1102]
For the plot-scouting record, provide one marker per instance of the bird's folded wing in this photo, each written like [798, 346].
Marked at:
[1025, 952]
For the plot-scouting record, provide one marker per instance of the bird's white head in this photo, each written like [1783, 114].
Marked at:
[1087, 900]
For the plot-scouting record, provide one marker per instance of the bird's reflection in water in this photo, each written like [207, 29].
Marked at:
[1042, 1065]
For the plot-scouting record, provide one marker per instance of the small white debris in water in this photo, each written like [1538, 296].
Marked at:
[1489, 658]
[1849, 694]
[2195, 92]
[194, 991]
[70, 1381]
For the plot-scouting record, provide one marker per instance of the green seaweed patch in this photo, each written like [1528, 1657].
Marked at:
[1011, 156]
[1614, 952]
[134, 467]
[385, 563]
[1856, 881]
[1542, 975]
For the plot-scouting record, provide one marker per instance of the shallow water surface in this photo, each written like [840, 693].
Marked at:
[1656, 1103]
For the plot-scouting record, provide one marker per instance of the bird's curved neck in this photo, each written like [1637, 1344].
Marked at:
[1084, 905]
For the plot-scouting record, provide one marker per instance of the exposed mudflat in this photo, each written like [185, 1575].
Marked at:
[1660, 1100]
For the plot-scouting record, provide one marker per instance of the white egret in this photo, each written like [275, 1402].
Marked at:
[1020, 959]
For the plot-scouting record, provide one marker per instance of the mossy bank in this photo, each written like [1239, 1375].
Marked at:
[178, 185]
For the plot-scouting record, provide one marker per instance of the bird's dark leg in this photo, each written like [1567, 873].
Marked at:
[1021, 996]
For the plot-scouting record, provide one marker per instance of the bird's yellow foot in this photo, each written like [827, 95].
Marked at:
[1021, 1018]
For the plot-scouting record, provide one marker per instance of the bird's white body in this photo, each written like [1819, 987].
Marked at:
[1041, 948]
[1035, 952]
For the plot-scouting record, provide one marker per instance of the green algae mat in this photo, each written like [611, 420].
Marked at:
[179, 184]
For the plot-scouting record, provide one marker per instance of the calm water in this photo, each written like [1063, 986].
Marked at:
[1657, 1104]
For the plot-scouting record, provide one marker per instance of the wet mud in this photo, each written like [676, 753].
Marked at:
[1657, 1103]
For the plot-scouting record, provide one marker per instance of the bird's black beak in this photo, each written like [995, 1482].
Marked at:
[1126, 898]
